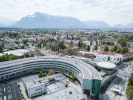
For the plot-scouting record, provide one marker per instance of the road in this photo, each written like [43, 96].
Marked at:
[121, 80]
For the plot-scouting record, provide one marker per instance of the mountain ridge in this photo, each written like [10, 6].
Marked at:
[43, 20]
[96, 24]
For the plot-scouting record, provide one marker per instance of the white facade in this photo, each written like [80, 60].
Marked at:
[36, 91]
[108, 58]
[44, 85]
[103, 57]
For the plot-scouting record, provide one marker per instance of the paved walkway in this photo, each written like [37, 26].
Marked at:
[23, 91]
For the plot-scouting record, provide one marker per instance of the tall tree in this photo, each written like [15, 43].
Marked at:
[40, 74]
[1, 49]
[69, 73]
[51, 72]
[106, 48]
[96, 47]
[88, 48]
[73, 76]
[115, 48]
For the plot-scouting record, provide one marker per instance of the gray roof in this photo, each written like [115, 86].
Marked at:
[69, 93]
[42, 81]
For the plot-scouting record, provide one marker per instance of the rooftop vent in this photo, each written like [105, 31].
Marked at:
[51, 79]
[70, 92]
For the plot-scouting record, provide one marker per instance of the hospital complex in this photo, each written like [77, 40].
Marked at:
[91, 74]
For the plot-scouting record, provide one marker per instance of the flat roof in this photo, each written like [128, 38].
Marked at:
[106, 65]
[55, 87]
[96, 53]
[18, 52]
[69, 93]
[43, 81]
[87, 70]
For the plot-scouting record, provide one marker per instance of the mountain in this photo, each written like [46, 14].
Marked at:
[96, 24]
[42, 20]
[118, 26]
[6, 21]
[128, 26]
[1, 25]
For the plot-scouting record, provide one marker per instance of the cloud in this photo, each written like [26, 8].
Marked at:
[110, 11]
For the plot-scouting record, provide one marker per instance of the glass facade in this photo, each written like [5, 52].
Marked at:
[96, 86]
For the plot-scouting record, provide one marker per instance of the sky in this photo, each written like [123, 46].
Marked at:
[110, 11]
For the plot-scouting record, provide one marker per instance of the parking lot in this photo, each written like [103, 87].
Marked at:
[9, 91]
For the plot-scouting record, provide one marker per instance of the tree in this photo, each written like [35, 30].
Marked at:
[80, 44]
[115, 48]
[96, 47]
[122, 41]
[118, 51]
[106, 48]
[72, 75]
[25, 41]
[2, 44]
[51, 72]
[40, 74]
[130, 81]
[44, 75]
[61, 45]
[84, 45]
[1, 49]
[88, 48]
[96, 42]
[69, 73]
[22, 47]
[32, 55]
[129, 90]
[124, 50]
[62, 72]
[70, 51]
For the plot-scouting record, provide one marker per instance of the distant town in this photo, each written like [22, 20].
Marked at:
[66, 64]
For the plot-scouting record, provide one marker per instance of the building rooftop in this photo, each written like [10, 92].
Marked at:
[106, 65]
[43, 81]
[69, 93]
[18, 52]
[54, 87]
[97, 53]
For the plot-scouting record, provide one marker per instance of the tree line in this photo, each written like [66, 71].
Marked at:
[129, 90]
[51, 72]
[116, 49]
[7, 57]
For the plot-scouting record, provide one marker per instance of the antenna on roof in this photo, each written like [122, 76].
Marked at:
[34, 82]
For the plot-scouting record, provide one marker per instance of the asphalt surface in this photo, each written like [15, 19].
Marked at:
[9, 91]
[121, 79]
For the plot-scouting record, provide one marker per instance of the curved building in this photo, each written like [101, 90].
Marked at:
[86, 74]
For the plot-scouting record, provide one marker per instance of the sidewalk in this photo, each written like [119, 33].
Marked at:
[23, 91]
